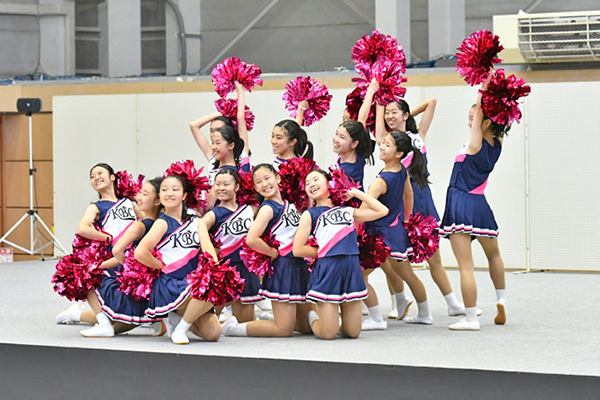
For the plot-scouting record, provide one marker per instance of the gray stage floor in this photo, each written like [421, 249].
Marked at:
[553, 326]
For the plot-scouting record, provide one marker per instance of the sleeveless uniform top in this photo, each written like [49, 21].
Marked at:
[115, 217]
[393, 198]
[231, 228]
[334, 229]
[417, 142]
[283, 225]
[355, 170]
[471, 172]
[243, 167]
[178, 249]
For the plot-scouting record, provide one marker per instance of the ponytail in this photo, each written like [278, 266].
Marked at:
[303, 147]
[411, 124]
[418, 167]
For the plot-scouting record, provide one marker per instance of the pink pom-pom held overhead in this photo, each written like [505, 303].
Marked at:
[127, 186]
[354, 101]
[228, 107]
[196, 184]
[423, 235]
[314, 92]
[476, 55]
[232, 70]
[370, 49]
[389, 75]
[500, 100]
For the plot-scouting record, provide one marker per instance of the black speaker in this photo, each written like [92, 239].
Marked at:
[29, 105]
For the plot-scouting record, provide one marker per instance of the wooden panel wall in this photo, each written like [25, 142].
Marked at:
[15, 177]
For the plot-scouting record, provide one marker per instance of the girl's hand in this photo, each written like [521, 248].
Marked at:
[303, 105]
[373, 86]
[238, 86]
[274, 254]
[104, 265]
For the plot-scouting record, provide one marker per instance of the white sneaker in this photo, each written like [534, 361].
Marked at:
[171, 322]
[464, 325]
[455, 312]
[500, 318]
[393, 314]
[227, 312]
[70, 316]
[179, 337]
[264, 305]
[427, 320]
[230, 322]
[402, 309]
[370, 324]
[98, 331]
[158, 328]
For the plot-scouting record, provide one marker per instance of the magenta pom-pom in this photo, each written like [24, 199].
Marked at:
[257, 262]
[314, 92]
[74, 278]
[217, 283]
[476, 55]
[127, 186]
[246, 193]
[228, 107]
[293, 174]
[91, 252]
[354, 101]
[423, 235]
[369, 49]
[500, 101]
[135, 278]
[339, 185]
[389, 75]
[372, 250]
[312, 242]
[232, 70]
[195, 182]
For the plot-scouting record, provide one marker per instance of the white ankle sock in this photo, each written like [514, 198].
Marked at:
[400, 296]
[501, 296]
[375, 313]
[394, 302]
[471, 313]
[182, 326]
[312, 317]
[238, 330]
[423, 309]
[103, 320]
[452, 301]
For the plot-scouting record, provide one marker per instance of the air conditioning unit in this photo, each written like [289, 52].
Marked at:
[548, 38]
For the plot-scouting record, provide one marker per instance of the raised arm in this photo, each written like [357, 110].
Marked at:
[241, 117]
[380, 130]
[408, 198]
[302, 106]
[196, 126]
[373, 209]
[365, 107]
[302, 234]
[476, 138]
[428, 110]
[143, 252]
[135, 232]
[257, 228]
[85, 228]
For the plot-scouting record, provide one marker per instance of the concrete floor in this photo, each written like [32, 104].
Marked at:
[553, 326]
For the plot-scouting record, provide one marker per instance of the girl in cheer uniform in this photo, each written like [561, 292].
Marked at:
[176, 238]
[468, 215]
[229, 223]
[336, 281]
[289, 140]
[105, 221]
[120, 312]
[288, 285]
[392, 187]
[351, 141]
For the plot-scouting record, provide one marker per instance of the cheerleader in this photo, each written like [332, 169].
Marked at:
[120, 312]
[392, 187]
[289, 140]
[229, 223]
[468, 215]
[105, 221]
[336, 281]
[176, 238]
[353, 145]
[288, 285]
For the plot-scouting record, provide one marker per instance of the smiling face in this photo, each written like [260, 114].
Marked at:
[147, 200]
[220, 147]
[281, 142]
[343, 142]
[395, 118]
[266, 182]
[388, 150]
[316, 186]
[172, 193]
[101, 179]
[225, 187]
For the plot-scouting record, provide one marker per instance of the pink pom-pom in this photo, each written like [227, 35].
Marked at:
[476, 55]
[228, 107]
[312, 242]
[257, 262]
[314, 92]
[354, 101]
[388, 74]
[293, 174]
[195, 182]
[339, 185]
[369, 49]
[135, 278]
[372, 250]
[232, 70]
[126, 186]
[246, 193]
[423, 235]
[73, 278]
[500, 101]
[217, 283]
[91, 252]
